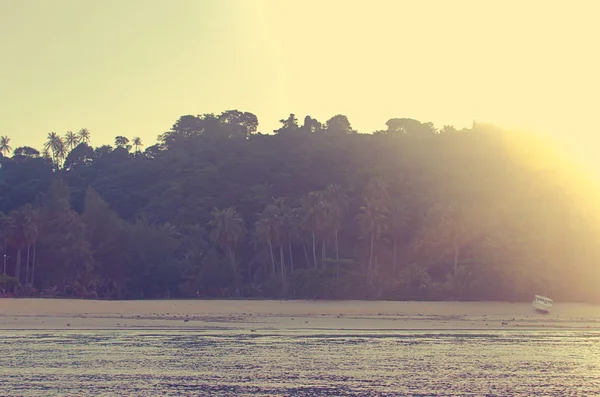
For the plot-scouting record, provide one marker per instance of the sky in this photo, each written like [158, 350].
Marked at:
[133, 67]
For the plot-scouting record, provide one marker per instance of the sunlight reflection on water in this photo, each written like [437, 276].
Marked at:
[332, 363]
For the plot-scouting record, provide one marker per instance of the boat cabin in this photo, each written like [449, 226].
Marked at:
[542, 303]
[543, 300]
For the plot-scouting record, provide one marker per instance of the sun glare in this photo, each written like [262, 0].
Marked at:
[566, 161]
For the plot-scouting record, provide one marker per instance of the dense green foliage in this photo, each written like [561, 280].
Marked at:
[312, 211]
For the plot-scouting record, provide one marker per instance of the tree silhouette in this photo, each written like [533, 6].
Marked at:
[26, 152]
[21, 233]
[313, 218]
[55, 145]
[5, 147]
[372, 222]
[84, 135]
[4, 230]
[408, 212]
[339, 125]
[121, 142]
[137, 143]
[71, 140]
[336, 206]
[227, 230]
[242, 123]
[271, 228]
[398, 219]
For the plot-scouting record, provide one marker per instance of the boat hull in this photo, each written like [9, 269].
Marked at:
[541, 309]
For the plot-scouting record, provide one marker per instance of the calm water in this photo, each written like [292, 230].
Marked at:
[177, 363]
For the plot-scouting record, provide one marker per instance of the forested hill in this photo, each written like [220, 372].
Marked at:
[314, 210]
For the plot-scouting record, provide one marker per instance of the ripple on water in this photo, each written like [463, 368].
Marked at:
[105, 363]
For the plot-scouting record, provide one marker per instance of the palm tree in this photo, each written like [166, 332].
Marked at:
[398, 218]
[3, 236]
[137, 143]
[283, 213]
[71, 140]
[337, 204]
[84, 135]
[228, 230]
[51, 139]
[264, 233]
[270, 228]
[298, 220]
[5, 147]
[291, 228]
[372, 222]
[55, 144]
[21, 233]
[60, 151]
[313, 217]
[32, 215]
[32, 275]
[447, 226]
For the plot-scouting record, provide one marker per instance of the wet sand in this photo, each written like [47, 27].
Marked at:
[238, 363]
[299, 348]
[59, 314]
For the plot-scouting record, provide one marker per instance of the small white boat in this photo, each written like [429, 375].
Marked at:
[542, 303]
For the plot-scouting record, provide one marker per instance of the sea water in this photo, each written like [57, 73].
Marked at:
[303, 363]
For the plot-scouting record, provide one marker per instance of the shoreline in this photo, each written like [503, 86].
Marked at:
[302, 316]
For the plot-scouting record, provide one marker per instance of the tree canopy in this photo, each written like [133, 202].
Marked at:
[313, 210]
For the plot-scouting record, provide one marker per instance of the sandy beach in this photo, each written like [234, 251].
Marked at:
[59, 314]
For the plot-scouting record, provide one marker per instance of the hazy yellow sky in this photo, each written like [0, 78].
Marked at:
[132, 67]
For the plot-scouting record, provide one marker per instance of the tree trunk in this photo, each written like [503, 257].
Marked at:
[231, 256]
[337, 250]
[272, 256]
[369, 273]
[18, 267]
[4, 257]
[27, 266]
[305, 251]
[394, 268]
[323, 254]
[33, 263]
[314, 249]
[235, 271]
[337, 255]
[291, 257]
[282, 259]
[456, 251]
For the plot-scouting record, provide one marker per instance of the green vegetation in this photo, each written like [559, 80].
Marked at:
[216, 209]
